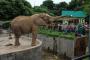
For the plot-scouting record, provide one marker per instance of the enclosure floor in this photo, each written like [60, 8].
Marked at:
[25, 43]
[5, 42]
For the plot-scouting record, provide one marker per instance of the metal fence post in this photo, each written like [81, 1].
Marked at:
[89, 37]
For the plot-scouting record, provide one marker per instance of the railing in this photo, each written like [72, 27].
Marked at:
[82, 57]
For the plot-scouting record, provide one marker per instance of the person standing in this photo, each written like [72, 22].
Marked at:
[80, 30]
[59, 27]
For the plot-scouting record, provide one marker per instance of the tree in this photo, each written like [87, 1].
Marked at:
[75, 5]
[40, 9]
[55, 9]
[86, 6]
[59, 7]
[49, 4]
[12, 8]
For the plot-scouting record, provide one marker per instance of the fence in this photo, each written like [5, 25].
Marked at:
[65, 46]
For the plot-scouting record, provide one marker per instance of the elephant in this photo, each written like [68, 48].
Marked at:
[29, 24]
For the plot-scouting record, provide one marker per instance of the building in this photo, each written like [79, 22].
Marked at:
[79, 15]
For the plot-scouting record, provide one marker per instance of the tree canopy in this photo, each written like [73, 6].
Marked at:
[86, 6]
[12, 8]
[40, 9]
[49, 4]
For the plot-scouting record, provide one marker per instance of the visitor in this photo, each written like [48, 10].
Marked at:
[68, 28]
[80, 30]
[59, 27]
[55, 26]
[65, 28]
[72, 27]
[86, 26]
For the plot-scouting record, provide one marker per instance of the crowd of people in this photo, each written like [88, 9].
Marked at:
[79, 29]
[82, 29]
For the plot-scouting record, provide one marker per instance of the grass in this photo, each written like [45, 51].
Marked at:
[86, 59]
[52, 33]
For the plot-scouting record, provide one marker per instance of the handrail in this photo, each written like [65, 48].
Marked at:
[81, 57]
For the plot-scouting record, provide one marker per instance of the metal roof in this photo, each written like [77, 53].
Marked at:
[74, 13]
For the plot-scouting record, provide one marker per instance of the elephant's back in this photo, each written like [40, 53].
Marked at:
[20, 19]
[21, 23]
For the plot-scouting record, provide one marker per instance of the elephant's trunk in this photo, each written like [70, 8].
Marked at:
[55, 18]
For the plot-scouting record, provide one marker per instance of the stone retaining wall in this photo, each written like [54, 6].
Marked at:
[31, 53]
[64, 46]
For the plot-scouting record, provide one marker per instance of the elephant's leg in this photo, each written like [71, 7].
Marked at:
[34, 36]
[17, 43]
[10, 36]
[17, 36]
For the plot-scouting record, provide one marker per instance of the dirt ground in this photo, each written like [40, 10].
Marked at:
[50, 56]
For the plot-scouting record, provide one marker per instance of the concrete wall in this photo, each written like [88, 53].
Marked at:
[64, 46]
[33, 53]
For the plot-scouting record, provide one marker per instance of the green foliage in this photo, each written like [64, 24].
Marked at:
[53, 33]
[86, 6]
[55, 9]
[75, 5]
[12, 8]
[80, 5]
[86, 59]
[59, 7]
[40, 9]
[64, 5]
[49, 4]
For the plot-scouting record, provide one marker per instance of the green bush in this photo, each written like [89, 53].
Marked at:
[52, 33]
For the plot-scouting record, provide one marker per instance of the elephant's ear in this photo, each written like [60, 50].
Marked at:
[44, 16]
[41, 15]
